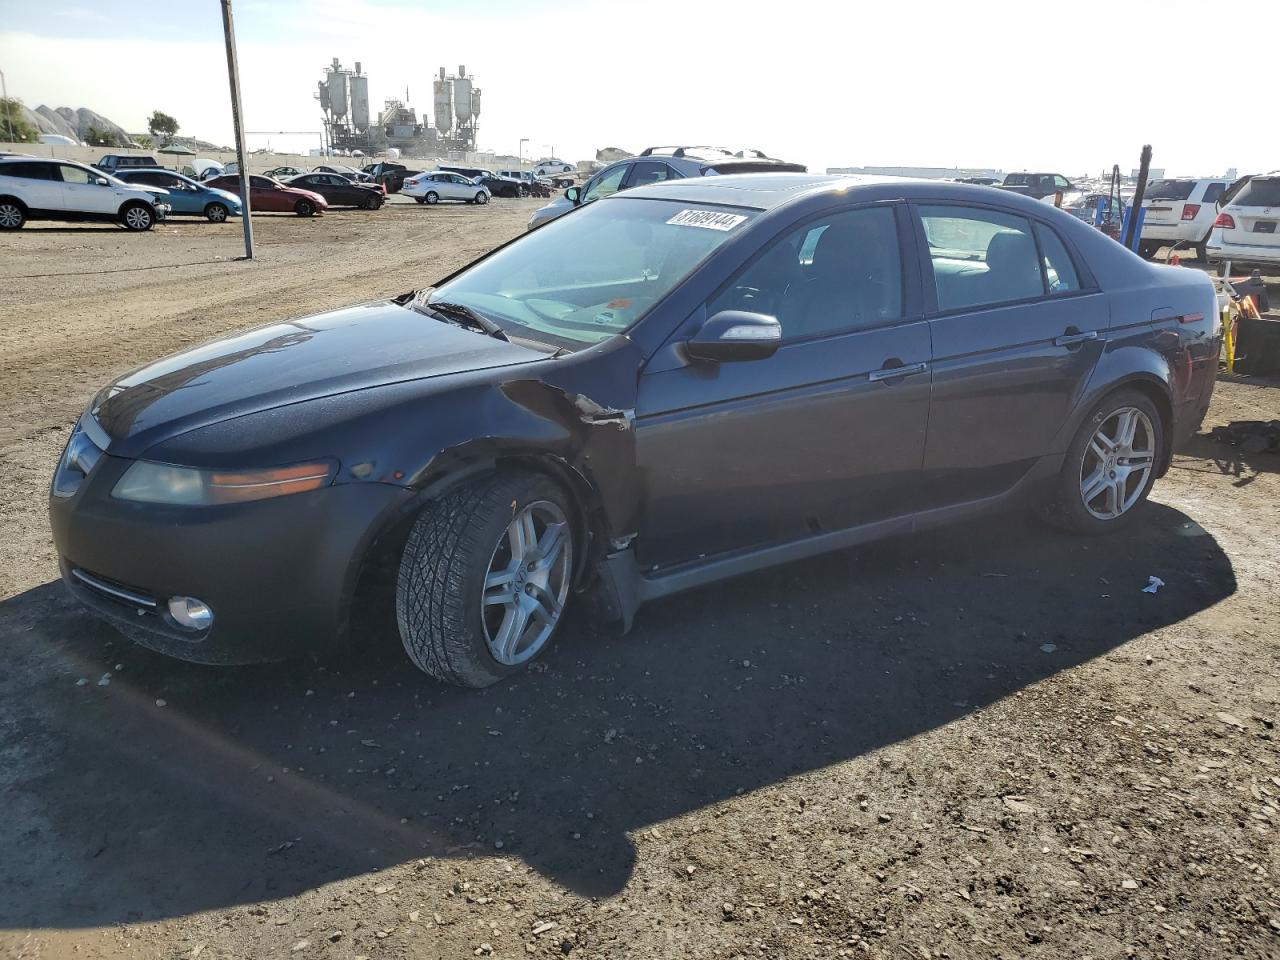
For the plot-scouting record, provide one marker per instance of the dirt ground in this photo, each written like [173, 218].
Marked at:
[986, 741]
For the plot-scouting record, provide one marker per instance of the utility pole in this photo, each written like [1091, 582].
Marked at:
[523, 141]
[233, 73]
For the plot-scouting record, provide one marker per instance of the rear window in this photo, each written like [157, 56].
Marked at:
[1259, 192]
[1170, 189]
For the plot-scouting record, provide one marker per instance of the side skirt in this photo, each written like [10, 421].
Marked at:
[625, 588]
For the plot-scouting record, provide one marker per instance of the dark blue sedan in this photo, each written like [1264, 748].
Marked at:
[187, 197]
[680, 383]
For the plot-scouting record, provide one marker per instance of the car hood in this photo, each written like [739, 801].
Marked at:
[357, 348]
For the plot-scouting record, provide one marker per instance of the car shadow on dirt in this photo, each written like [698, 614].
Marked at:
[255, 783]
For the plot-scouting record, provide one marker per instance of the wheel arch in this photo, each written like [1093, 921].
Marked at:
[370, 581]
[26, 211]
[1151, 384]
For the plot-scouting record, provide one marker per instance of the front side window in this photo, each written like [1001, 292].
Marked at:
[72, 174]
[579, 280]
[265, 183]
[608, 183]
[1061, 182]
[648, 171]
[980, 257]
[831, 276]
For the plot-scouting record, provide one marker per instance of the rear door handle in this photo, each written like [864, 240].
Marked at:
[895, 373]
[1071, 339]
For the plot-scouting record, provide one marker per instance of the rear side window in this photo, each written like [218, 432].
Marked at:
[1059, 271]
[1170, 189]
[1213, 192]
[833, 276]
[1259, 192]
[981, 257]
[28, 171]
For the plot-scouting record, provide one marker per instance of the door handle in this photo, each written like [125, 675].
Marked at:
[1073, 339]
[895, 373]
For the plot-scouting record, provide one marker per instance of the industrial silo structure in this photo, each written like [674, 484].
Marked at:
[444, 105]
[338, 92]
[359, 101]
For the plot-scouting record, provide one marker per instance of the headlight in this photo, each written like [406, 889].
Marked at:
[147, 482]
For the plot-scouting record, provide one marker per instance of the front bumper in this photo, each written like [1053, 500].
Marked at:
[278, 574]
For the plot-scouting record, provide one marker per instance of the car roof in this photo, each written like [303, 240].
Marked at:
[765, 191]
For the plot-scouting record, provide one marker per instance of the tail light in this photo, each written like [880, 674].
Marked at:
[1225, 221]
[1189, 211]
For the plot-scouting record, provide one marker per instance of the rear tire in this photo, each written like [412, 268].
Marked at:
[137, 217]
[216, 213]
[12, 215]
[1119, 474]
[304, 208]
[432, 197]
[484, 577]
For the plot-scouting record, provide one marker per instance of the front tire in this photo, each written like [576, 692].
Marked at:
[216, 213]
[304, 208]
[373, 203]
[1110, 466]
[482, 198]
[137, 217]
[12, 216]
[484, 578]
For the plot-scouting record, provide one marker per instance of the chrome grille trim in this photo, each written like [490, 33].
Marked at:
[101, 586]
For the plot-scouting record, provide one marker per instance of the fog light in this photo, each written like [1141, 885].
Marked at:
[191, 613]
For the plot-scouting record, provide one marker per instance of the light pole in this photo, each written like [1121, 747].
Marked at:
[233, 74]
[523, 141]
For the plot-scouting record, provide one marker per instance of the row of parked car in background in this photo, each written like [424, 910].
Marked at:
[137, 192]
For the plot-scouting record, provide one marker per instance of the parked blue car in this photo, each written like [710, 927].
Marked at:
[187, 197]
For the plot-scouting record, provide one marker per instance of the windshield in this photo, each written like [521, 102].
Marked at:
[1171, 189]
[585, 277]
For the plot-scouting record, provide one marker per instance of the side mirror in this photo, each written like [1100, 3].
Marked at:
[100, 182]
[736, 335]
[573, 195]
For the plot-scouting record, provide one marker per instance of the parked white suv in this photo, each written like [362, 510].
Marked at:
[1248, 226]
[1180, 211]
[33, 189]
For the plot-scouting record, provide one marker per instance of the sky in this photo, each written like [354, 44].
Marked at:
[1005, 84]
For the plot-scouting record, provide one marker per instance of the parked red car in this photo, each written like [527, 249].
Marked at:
[272, 196]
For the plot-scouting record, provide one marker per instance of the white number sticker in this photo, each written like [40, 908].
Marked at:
[707, 219]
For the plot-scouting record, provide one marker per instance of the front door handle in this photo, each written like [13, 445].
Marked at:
[1070, 339]
[895, 373]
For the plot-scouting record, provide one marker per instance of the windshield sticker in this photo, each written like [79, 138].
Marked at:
[707, 219]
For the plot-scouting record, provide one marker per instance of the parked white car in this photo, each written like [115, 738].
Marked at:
[1248, 226]
[1180, 211]
[35, 189]
[440, 185]
[552, 168]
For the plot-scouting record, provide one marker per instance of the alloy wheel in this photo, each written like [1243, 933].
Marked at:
[527, 583]
[10, 216]
[1117, 463]
[137, 218]
[217, 213]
